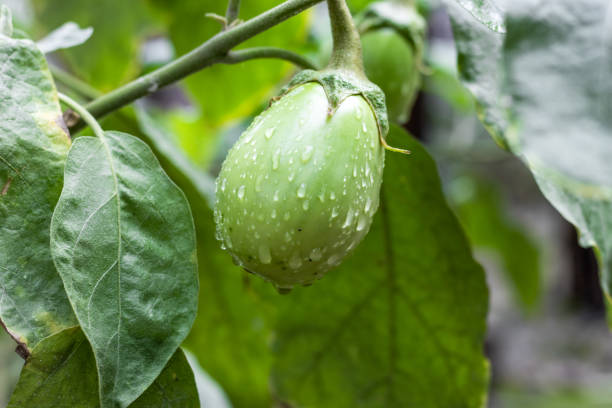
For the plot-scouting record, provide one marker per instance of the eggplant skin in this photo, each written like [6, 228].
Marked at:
[390, 62]
[297, 192]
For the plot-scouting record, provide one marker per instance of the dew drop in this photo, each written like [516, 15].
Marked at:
[269, 133]
[305, 205]
[368, 205]
[223, 184]
[291, 176]
[275, 197]
[363, 126]
[316, 254]
[349, 219]
[287, 236]
[307, 154]
[295, 261]
[301, 193]
[322, 196]
[264, 254]
[358, 113]
[332, 196]
[248, 137]
[333, 260]
[273, 214]
[334, 212]
[240, 192]
[286, 216]
[275, 159]
[258, 182]
[363, 221]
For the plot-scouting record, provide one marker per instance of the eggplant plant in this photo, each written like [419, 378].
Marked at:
[119, 251]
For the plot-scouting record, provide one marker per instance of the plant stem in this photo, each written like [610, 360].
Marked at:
[73, 83]
[235, 57]
[210, 52]
[346, 53]
[83, 113]
[233, 8]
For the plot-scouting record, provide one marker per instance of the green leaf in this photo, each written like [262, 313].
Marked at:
[480, 209]
[110, 56]
[486, 12]
[223, 92]
[479, 59]
[560, 109]
[123, 241]
[402, 322]
[33, 147]
[6, 21]
[233, 326]
[61, 373]
[66, 36]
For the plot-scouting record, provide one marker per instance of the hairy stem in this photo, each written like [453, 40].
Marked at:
[233, 8]
[234, 57]
[210, 52]
[346, 53]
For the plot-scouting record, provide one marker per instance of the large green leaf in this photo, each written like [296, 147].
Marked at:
[110, 56]
[231, 333]
[123, 241]
[33, 147]
[229, 92]
[486, 12]
[402, 322]
[61, 373]
[556, 62]
[479, 59]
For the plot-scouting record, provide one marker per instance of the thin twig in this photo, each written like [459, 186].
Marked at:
[208, 53]
[235, 57]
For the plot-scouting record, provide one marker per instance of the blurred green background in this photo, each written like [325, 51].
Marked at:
[547, 341]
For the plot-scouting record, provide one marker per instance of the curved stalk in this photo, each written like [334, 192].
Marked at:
[235, 57]
[206, 54]
[346, 53]
[83, 113]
